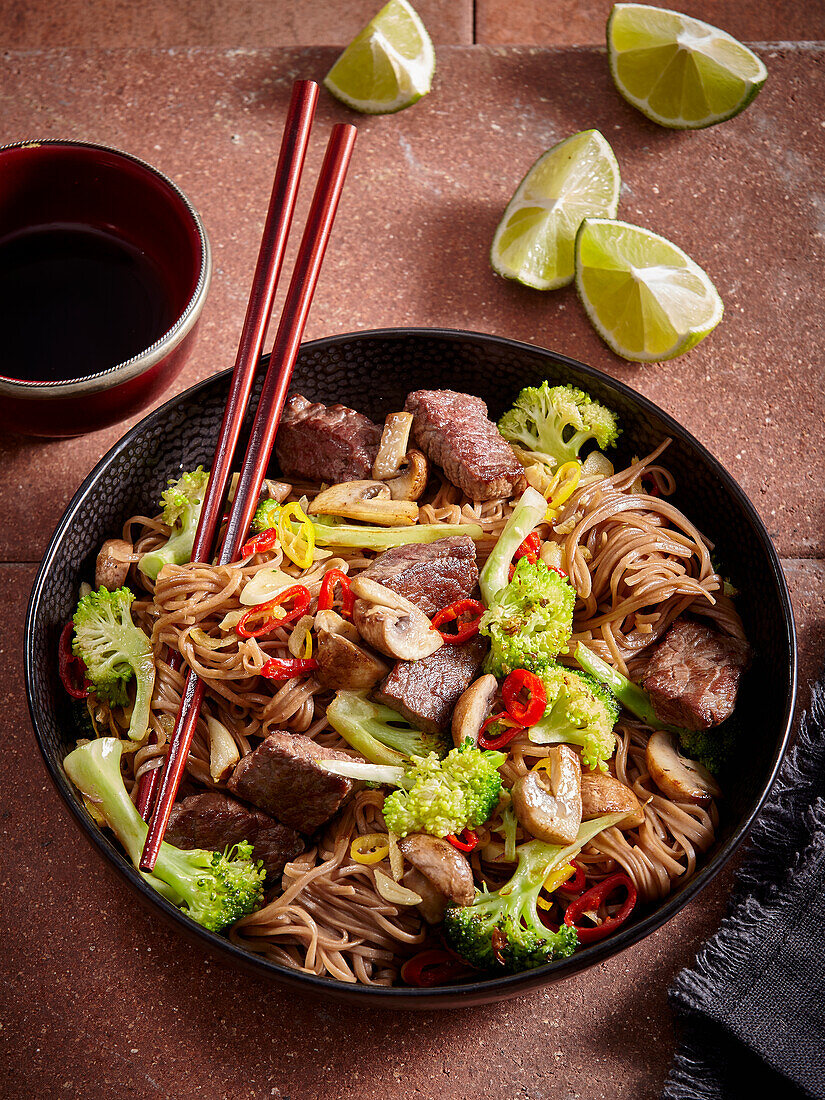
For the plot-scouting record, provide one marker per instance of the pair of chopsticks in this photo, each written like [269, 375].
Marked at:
[270, 404]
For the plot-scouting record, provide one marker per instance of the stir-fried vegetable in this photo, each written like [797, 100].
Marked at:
[380, 734]
[182, 503]
[527, 514]
[555, 422]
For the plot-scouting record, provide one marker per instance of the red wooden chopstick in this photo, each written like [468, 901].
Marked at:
[264, 283]
[264, 427]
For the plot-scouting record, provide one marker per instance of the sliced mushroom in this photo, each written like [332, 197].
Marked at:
[368, 501]
[553, 815]
[390, 623]
[333, 623]
[433, 903]
[602, 794]
[343, 664]
[113, 561]
[442, 864]
[278, 490]
[393, 445]
[412, 481]
[677, 777]
[472, 709]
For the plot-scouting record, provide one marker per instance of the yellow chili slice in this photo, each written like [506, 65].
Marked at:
[299, 547]
[369, 848]
[307, 645]
[554, 880]
[562, 487]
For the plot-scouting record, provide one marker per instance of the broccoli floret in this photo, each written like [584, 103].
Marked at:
[503, 930]
[530, 620]
[556, 422]
[113, 650]
[580, 711]
[213, 888]
[380, 734]
[181, 504]
[434, 796]
[709, 747]
[266, 515]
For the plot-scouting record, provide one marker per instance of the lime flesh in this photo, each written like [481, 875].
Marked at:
[388, 66]
[534, 241]
[680, 72]
[644, 296]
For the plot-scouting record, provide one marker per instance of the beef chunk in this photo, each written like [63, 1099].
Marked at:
[452, 429]
[215, 821]
[325, 442]
[431, 575]
[282, 777]
[425, 692]
[693, 675]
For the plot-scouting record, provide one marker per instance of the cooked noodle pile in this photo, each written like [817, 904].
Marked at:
[636, 563]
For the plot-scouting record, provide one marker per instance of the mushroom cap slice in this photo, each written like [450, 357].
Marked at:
[368, 501]
[553, 815]
[343, 664]
[472, 709]
[433, 902]
[393, 446]
[392, 624]
[675, 775]
[602, 794]
[412, 480]
[113, 562]
[442, 864]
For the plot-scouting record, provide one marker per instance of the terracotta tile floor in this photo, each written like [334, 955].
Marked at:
[97, 999]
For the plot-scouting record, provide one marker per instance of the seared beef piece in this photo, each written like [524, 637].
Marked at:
[453, 431]
[431, 575]
[215, 821]
[426, 691]
[282, 777]
[325, 442]
[693, 675]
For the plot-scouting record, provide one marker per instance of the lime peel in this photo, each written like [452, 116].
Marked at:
[388, 66]
[678, 71]
[533, 243]
[646, 298]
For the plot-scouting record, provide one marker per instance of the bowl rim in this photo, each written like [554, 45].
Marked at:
[144, 360]
[484, 990]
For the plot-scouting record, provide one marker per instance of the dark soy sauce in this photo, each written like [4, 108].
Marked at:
[75, 301]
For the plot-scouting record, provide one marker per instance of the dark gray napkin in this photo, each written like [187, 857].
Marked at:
[752, 1008]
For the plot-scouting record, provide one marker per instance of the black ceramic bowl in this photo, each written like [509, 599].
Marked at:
[373, 372]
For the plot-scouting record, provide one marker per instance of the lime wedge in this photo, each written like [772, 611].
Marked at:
[577, 178]
[644, 296]
[386, 67]
[679, 71]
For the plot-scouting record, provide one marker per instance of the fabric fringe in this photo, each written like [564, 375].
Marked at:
[788, 834]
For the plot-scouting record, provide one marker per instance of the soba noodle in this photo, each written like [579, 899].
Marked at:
[636, 562]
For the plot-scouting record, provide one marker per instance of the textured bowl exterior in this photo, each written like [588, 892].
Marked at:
[373, 372]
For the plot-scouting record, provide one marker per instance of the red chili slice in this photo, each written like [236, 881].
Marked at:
[576, 884]
[259, 544]
[326, 596]
[71, 668]
[596, 896]
[284, 668]
[299, 593]
[466, 841]
[524, 712]
[511, 731]
[463, 630]
[435, 966]
[529, 548]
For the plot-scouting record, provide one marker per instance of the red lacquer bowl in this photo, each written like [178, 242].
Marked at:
[43, 183]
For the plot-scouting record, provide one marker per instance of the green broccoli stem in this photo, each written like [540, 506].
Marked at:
[537, 858]
[176, 551]
[630, 695]
[94, 769]
[379, 733]
[144, 666]
[386, 774]
[526, 516]
[384, 538]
